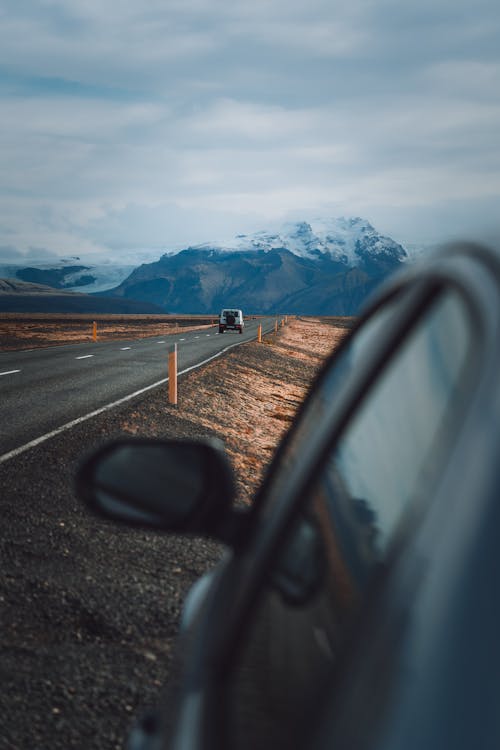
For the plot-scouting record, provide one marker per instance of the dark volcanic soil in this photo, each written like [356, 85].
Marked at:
[90, 610]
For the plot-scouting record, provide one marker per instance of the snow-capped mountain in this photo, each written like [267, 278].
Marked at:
[344, 240]
[317, 267]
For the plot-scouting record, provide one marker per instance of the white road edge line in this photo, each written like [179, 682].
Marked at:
[9, 372]
[38, 441]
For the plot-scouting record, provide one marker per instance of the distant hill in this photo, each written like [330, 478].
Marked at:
[57, 277]
[68, 275]
[22, 296]
[16, 287]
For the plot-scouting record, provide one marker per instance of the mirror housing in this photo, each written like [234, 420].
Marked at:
[169, 485]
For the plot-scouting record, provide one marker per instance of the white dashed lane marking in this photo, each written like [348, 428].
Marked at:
[125, 348]
[9, 372]
[58, 430]
[85, 356]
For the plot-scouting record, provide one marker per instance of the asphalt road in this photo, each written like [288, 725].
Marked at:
[42, 390]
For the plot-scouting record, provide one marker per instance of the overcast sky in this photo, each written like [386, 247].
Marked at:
[151, 124]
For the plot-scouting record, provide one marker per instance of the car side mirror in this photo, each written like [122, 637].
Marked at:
[177, 486]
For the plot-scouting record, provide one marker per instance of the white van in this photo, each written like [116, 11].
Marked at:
[231, 320]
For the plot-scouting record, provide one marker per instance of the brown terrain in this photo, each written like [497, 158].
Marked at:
[25, 331]
[90, 610]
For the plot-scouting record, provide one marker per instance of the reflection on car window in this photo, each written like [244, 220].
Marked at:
[372, 482]
[394, 441]
[329, 393]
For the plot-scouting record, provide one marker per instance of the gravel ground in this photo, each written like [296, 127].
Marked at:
[90, 610]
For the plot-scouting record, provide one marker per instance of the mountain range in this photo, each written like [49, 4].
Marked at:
[319, 267]
[325, 267]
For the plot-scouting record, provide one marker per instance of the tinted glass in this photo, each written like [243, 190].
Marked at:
[370, 487]
[396, 440]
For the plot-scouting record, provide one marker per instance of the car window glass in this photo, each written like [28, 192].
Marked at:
[389, 445]
[373, 481]
[329, 393]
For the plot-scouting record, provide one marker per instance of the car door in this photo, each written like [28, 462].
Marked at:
[347, 493]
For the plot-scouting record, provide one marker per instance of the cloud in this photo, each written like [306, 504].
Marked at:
[162, 118]
[246, 122]
[9, 253]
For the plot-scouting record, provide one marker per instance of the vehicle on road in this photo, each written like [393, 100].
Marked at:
[231, 320]
[357, 607]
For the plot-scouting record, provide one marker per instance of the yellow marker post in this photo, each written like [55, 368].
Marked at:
[172, 374]
[259, 334]
[94, 331]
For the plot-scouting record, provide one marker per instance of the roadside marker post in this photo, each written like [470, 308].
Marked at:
[172, 374]
[94, 331]
[259, 334]
[276, 326]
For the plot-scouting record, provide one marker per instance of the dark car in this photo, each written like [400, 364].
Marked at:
[358, 604]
